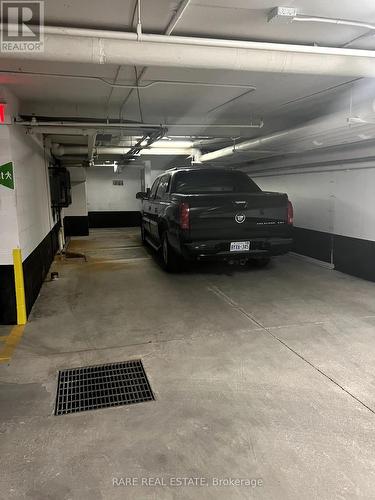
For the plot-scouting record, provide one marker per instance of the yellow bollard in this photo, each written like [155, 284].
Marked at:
[20, 287]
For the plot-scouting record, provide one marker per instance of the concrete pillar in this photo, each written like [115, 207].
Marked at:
[28, 227]
[147, 174]
[9, 239]
[75, 217]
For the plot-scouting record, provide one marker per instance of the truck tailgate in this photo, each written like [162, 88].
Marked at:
[237, 216]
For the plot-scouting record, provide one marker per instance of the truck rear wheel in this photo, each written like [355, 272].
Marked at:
[143, 236]
[171, 261]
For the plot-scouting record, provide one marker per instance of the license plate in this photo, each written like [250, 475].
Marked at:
[240, 246]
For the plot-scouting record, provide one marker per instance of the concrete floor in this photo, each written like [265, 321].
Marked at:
[260, 374]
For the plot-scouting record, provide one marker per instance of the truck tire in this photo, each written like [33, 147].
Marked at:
[143, 236]
[171, 261]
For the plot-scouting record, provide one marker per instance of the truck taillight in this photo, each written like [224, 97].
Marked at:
[290, 213]
[184, 216]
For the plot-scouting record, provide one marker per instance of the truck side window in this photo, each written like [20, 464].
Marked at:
[154, 188]
[163, 187]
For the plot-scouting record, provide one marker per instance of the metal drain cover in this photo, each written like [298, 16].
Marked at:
[102, 386]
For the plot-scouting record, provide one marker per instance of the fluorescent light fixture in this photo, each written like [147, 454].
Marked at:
[364, 137]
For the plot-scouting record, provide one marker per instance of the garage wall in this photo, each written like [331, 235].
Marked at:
[26, 222]
[334, 215]
[8, 238]
[154, 174]
[8, 213]
[26, 219]
[75, 217]
[37, 227]
[34, 212]
[112, 205]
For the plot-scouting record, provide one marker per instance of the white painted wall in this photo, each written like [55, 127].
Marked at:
[79, 201]
[103, 196]
[79, 193]
[25, 212]
[154, 174]
[33, 198]
[8, 213]
[340, 202]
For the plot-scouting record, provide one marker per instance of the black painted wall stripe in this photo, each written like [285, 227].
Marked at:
[35, 269]
[76, 225]
[315, 244]
[352, 256]
[37, 264]
[8, 308]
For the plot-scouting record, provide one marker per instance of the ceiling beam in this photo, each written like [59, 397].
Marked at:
[104, 47]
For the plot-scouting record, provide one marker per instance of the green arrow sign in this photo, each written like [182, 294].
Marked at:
[6, 175]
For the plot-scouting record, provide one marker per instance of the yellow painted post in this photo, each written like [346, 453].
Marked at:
[20, 287]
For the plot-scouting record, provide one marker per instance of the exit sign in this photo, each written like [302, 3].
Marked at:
[2, 112]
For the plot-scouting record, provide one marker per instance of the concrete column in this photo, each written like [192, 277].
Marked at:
[75, 217]
[28, 228]
[8, 208]
[9, 239]
[147, 174]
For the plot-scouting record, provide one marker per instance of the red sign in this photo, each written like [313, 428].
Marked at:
[2, 112]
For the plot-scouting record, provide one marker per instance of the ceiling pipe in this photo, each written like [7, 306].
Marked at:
[129, 86]
[120, 48]
[330, 20]
[62, 150]
[308, 130]
[177, 17]
[242, 146]
[44, 126]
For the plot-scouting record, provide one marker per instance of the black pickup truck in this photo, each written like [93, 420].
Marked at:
[210, 213]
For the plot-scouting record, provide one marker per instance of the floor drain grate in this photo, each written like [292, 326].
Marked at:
[102, 386]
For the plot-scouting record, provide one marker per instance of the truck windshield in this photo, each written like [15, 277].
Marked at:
[205, 182]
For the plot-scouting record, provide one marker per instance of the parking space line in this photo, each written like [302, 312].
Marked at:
[219, 293]
[11, 342]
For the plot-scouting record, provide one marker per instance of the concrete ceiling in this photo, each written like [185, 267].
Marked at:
[242, 19]
[282, 101]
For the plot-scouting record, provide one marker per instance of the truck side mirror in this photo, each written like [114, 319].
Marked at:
[141, 195]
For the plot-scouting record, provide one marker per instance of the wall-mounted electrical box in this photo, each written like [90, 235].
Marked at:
[60, 186]
[282, 15]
